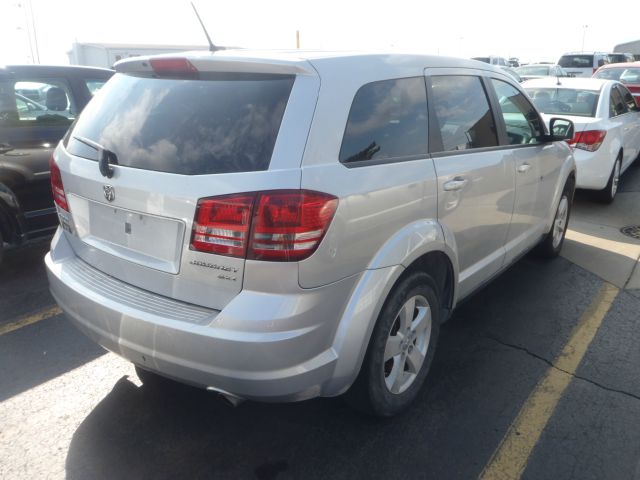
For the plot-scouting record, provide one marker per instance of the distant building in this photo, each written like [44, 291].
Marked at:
[106, 54]
[629, 47]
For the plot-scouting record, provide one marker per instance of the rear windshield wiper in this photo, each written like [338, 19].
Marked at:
[106, 157]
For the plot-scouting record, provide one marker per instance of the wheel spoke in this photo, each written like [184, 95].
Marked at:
[393, 348]
[414, 360]
[394, 380]
[406, 315]
[422, 320]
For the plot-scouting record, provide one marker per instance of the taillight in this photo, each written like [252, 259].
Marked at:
[222, 225]
[280, 225]
[289, 225]
[589, 140]
[56, 185]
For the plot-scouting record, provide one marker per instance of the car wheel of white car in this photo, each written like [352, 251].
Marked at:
[552, 243]
[401, 349]
[608, 193]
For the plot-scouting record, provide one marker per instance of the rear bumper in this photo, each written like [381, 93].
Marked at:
[286, 359]
[593, 168]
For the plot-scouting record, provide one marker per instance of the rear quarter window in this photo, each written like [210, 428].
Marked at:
[221, 123]
[387, 122]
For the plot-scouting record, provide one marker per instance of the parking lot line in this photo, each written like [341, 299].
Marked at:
[36, 317]
[510, 458]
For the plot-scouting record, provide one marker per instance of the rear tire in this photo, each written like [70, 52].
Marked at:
[401, 349]
[608, 193]
[552, 243]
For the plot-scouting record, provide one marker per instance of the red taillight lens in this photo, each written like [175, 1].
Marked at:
[174, 67]
[284, 225]
[289, 225]
[56, 185]
[589, 140]
[222, 225]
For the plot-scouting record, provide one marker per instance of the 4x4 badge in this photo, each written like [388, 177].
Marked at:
[109, 193]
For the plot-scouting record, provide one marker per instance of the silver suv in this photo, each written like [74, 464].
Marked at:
[290, 226]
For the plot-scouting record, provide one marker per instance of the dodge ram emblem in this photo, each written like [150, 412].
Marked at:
[109, 193]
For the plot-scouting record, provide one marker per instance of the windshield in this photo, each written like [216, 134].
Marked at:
[565, 101]
[224, 123]
[542, 71]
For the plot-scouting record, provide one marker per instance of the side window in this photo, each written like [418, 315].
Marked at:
[520, 118]
[94, 85]
[628, 99]
[464, 119]
[616, 103]
[35, 102]
[387, 121]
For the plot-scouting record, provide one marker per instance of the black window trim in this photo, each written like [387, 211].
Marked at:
[384, 161]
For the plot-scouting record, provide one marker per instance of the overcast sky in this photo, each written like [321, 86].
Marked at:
[532, 31]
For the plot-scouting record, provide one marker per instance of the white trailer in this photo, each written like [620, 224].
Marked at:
[106, 54]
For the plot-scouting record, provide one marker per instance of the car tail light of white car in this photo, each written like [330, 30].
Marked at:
[56, 185]
[280, 225]
[589, 140]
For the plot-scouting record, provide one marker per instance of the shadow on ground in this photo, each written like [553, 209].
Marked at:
[480, 378]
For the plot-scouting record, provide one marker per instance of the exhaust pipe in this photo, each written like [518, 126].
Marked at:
[229, 398]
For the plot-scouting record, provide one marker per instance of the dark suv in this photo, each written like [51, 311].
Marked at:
[37, 105]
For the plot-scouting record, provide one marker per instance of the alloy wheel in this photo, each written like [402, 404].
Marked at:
[407, 344]
[560, 223]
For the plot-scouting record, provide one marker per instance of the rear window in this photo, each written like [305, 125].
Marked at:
[221, 123]
[576, 61]
[617, 57]
[542, 71]
[565, 101]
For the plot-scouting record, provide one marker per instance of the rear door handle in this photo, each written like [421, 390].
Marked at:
[457, 183]
[524, 168]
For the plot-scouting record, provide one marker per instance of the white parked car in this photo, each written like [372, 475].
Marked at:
[607, 126]
[583, 64]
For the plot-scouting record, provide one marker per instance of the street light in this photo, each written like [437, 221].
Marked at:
[584, 32]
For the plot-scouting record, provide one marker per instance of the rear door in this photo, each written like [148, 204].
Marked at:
[475, 176]
[171, 142]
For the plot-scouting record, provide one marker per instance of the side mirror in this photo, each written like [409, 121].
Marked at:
[561, 129]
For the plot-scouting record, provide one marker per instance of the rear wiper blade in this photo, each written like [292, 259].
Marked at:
[106, 157]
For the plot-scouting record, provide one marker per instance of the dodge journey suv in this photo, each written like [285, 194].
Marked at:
[286, 226]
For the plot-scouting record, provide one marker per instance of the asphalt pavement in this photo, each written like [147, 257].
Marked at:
[501, 377]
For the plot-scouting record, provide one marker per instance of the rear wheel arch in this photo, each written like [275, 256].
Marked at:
[9, 227]
[439, 267]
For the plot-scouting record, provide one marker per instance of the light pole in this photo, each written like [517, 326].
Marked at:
[584, 33]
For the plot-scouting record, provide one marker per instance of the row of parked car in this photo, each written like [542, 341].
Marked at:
[601, 99]
[284, 226]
